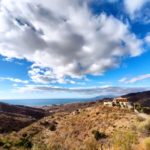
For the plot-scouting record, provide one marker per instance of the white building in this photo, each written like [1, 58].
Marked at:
[108, 103]
[123, 102]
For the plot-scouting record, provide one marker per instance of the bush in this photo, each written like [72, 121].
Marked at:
[1, 143]
[98, 135]
[123, 140]
[25, 142]
[52, 127]
[147, 143]
[138, 107]
[7, 145]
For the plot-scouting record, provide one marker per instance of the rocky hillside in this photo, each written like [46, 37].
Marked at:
[14, 118]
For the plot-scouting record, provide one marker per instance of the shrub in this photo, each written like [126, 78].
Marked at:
[7, 145]
[25, 142]
[2, 130]
[1, 143]
[147, 143]
[24, 135]
[123, 140]
[138, 107]
[52, 127]
[98, 135]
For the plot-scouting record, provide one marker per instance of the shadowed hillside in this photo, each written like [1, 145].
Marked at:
[14, 118]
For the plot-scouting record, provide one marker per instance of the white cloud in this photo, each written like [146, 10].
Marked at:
[135, 79]
[147, 38]
[14, 80]
[109, 1]
[65, 37]
[101, 90]
[46, 76]
[133, 6]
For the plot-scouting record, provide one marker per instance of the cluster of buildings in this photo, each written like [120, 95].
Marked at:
[120, 102]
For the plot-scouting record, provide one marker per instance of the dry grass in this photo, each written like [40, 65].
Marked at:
[144, 127]
[73, 131]
[147, 143]
[124, 140]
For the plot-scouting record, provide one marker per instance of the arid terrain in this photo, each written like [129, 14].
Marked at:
[81, 126]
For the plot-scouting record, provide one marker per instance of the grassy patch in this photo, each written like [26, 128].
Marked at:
[147, 143]
[144, 127]
[124, 140]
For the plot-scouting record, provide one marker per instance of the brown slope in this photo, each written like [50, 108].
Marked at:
[14, 118]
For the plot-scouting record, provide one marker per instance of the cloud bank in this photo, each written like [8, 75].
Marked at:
[90, 91]
[64, 38]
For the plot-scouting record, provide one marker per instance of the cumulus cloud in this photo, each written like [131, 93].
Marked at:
[102, 90]
[14, 80]
[135, 79]
[133, 6]
[65, 37]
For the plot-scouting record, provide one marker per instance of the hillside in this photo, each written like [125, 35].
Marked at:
[14, 118]
[141, 97]
[76, 126]
[86, 129]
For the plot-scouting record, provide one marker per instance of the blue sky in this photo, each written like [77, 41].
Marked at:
[73, 48]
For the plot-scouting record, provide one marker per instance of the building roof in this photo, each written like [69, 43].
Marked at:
[121, 99]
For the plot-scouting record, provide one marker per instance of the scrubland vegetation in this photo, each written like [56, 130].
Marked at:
[93, 128]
